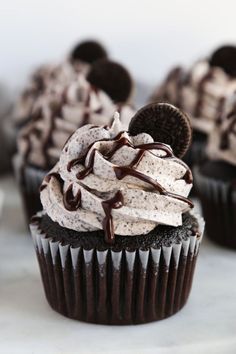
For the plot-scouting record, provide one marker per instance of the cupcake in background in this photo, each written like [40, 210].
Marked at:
[116, 242]
[54, 77]
[201, 91]
[215, 179]
[57, 115]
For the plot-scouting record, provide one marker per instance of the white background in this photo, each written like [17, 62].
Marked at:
[148, 36]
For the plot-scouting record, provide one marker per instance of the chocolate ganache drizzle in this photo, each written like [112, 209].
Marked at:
[222, 140]
[112, 181]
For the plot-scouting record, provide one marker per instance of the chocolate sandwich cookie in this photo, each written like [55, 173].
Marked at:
[166, 124]
[225, 58]
[88, 51]
[112, 78]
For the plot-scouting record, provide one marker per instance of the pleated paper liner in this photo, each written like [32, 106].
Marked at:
[29, 180]
[218, 200]
[110, 287]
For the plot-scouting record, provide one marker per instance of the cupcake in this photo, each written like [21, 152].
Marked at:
[215, 180]
[117, 241]
[201, 91]
[57, 115]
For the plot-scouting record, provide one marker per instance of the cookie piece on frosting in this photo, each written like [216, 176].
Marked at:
[166, 124]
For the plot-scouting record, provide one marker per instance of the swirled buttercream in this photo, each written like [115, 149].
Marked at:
[125, 185]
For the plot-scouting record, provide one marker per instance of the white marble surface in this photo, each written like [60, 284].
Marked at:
[207, 324]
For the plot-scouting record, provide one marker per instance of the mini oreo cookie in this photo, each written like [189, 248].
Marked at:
[88, 52]
[225, 58]
[112, 78]
[166, 124]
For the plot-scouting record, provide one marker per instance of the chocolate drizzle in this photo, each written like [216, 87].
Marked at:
[119, 142]
[115, 202]
[70, 201]
[87, 170]
[47, 180]
[123, 171]
[224, 141]
[201, 87]
[55, 111]
[176, 75]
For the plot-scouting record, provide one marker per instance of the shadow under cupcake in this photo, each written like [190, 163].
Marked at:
[116, 241]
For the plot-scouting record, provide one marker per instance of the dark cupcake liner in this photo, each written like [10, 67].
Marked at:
[218, 200]
[116, 287]
[29, 180]
[196, 153]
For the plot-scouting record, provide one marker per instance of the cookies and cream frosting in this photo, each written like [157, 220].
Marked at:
[58, 114]
[200, 91]
[125, 185]
[222, 140]
[44, 80]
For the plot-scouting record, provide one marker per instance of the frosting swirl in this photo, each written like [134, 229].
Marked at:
[200, 91]
[125, 185]
[58, 114]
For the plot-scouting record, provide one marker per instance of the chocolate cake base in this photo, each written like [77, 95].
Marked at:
[216, 188]
[139, 279]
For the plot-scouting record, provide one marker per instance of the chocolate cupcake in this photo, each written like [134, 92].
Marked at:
[57, 116]
[116, 242]
[201, 91]
[215, 180]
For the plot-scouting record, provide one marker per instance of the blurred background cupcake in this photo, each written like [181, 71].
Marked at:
[201, 91]
[216, 179]
[57, 114]
[47, 79]
[116, 229]
[52, 77]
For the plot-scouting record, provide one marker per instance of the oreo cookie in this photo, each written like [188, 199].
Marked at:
[225, 58]
[112, 78]
[88, 52]
[166, 124]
